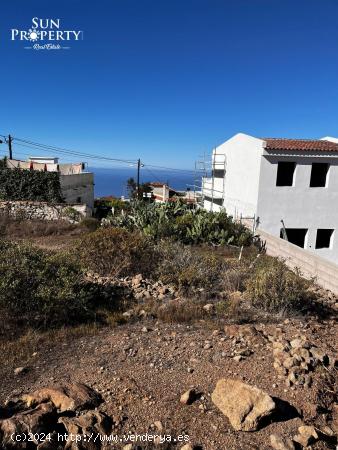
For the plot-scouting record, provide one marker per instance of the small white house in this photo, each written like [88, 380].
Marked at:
[160, 192]
[77, 184]
[288, 187]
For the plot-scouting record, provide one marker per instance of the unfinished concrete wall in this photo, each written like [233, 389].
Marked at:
[311, 265]
[300, 206]
[240, 156]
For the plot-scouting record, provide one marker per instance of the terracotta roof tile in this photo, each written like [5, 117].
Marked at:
[157, 184]
[300, 145]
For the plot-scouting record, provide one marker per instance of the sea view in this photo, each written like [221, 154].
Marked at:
[113, 181]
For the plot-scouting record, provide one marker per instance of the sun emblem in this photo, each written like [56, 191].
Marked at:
[33, 35]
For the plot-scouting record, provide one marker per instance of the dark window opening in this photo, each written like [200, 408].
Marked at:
[78, 200]
[323, 239]
[216, 201]
[218, 173]
[285, 173]
[319, 174]
[294, 235]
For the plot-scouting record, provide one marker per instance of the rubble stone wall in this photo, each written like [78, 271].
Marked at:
[41, 210]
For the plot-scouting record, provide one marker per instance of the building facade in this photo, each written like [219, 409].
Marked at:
[160, 192]
[78, 188]
[77, 185]
[288, 187]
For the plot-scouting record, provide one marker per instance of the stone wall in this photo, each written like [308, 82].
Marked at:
[41, 210]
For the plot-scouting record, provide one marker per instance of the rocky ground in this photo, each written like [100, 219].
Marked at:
[161, 378]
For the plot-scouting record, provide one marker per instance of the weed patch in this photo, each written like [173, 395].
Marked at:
[115, 252]
[274, 287]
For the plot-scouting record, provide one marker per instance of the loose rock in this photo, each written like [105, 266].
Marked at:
[188, 397]
[279, 443]
[306, 435]
[68, 397]
[244, 405]
[187, 447]
[20, 370]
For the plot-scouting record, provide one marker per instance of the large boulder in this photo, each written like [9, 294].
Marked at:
[68, 397]
[93, 424]
[90, 422]
[244, 405]
[35, 421]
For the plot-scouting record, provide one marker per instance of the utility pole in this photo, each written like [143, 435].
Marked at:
[10, 146]
[138, 178]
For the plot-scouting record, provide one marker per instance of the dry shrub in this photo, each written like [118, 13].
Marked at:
[115, 252]
[43, 289]
[181, 312]
[17, 228]
[4, 223]
[235, 309]
[229, 306]
[21, 347]
[235, 276]
[189, 270]
[274, 287]
[89, 224]
[113, 319]
[198, 269]
[327, 389]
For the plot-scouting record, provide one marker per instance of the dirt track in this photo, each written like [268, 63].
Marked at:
[142, 374]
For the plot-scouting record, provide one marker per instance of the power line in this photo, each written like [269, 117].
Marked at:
[66, 155]
[16, 153]
[153, 175]
[170, 169]
[46, 147]
[64, 151]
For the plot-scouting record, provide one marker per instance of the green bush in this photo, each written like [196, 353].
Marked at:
[72, 214]
[40, 288]
[106, 206]
[274, 287]
[115, 252]
[34, 185]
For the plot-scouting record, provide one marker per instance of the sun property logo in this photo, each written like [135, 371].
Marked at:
[46, 34]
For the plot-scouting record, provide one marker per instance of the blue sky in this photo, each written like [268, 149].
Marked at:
[166, 80]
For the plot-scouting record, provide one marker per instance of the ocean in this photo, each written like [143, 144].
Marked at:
[113, 181]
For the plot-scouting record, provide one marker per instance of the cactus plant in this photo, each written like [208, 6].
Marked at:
[176, 220]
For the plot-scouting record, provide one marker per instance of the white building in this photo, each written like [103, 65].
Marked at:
[160, 192]
[289, 187]
[44, 159]
[77, 185]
